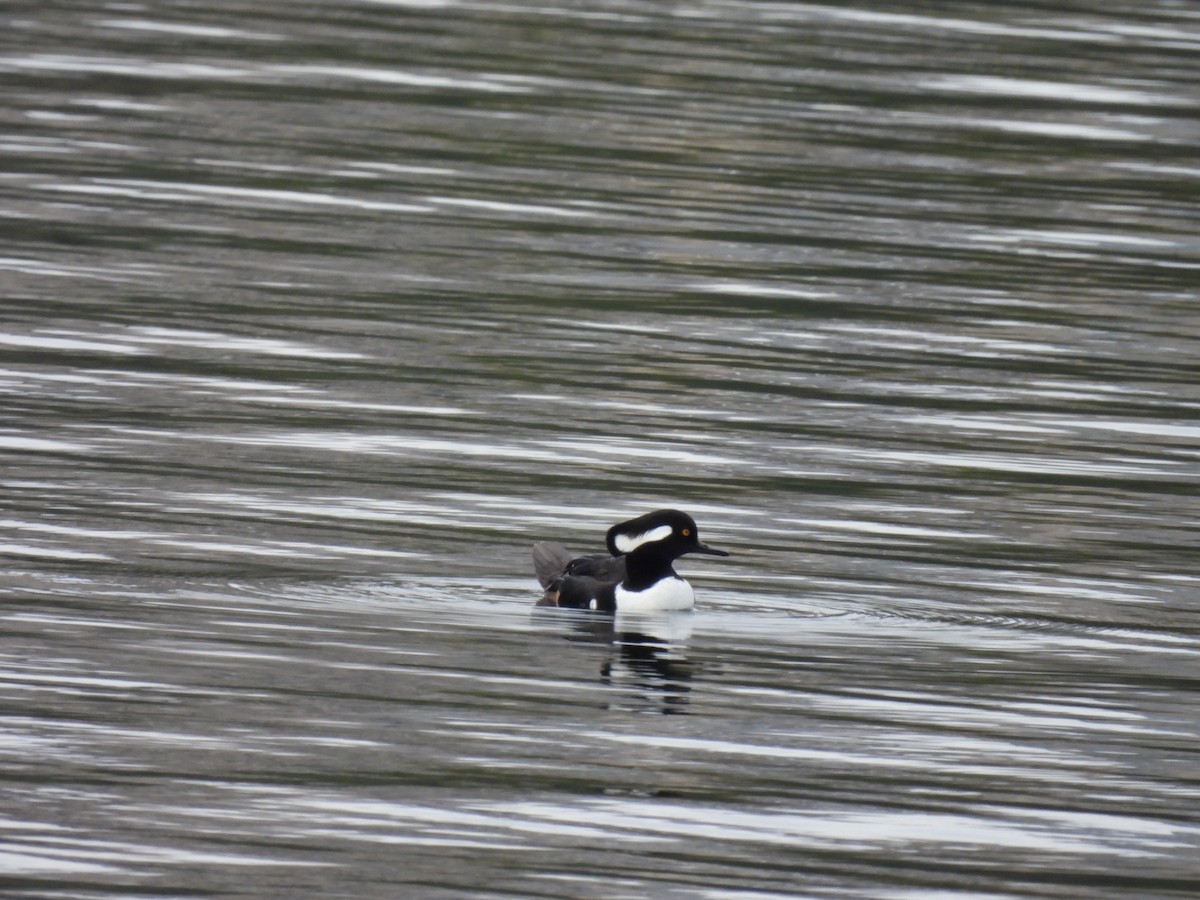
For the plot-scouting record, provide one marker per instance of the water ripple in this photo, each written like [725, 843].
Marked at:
[316, 319]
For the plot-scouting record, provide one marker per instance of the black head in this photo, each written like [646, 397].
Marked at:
[666, 532]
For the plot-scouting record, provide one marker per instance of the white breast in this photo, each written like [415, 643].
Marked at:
[666, 593]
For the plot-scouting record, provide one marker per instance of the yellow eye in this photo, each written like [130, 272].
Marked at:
[687, 532]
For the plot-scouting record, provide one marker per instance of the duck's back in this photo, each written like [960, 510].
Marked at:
[553, 561]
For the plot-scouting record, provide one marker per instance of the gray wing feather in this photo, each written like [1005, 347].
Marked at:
[549, 562]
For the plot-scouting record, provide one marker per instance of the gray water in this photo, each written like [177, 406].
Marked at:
[314, 317]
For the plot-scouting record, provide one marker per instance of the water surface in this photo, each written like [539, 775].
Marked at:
[313, 320]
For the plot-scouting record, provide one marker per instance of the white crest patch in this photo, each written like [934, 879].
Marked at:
[666, 594]
[627, 543]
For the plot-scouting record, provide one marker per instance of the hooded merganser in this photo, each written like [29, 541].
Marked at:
[636, 576]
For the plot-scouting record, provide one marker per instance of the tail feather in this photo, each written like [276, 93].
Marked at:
[549, 560]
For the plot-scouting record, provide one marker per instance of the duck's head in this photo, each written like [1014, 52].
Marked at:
[666, 531]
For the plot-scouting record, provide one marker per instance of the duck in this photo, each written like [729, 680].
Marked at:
[637, 574]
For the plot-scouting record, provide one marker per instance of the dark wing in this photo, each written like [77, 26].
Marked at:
[602, 567]
[584, 582]
[552, 561]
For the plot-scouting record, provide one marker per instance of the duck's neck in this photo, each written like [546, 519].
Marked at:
[644, 566]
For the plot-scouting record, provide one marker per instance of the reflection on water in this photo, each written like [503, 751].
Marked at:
[646, 660]
[315, 320]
